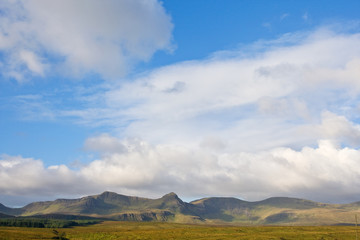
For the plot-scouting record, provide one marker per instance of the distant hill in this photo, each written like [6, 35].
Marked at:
[213, 210]
[2, 215]
[10, 211]
[274, 211]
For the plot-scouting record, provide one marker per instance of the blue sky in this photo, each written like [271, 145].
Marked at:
[149, 97]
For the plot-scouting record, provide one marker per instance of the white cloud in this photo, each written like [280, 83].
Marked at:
[259, 101]
[284, 107]
[78, 37]
[339, 129]
[212, 143]
[105, 144]
[29, 177]
[324, 173]
[32, 62]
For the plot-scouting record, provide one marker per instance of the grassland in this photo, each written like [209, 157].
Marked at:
[161, 230]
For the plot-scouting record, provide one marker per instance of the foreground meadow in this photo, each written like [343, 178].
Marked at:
[146, 230]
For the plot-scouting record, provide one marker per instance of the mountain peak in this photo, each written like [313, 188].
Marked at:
[107, 194]
[172, 197]
[172, 194]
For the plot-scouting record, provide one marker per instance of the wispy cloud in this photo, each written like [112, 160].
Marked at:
[283, 16]
[305, 16]
[33, 107]
[267, 25]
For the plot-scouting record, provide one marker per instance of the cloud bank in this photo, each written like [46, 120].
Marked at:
[325, 173]
[81, 37]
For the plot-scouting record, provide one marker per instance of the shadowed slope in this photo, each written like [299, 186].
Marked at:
[10, 211]
[2, 215]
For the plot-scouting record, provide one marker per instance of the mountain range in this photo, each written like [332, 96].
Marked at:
[213, 210]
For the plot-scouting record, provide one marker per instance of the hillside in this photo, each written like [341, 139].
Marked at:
[275, 211]
[214, 210]
[2, 215]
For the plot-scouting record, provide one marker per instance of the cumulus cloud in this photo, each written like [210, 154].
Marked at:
[339, 129]
[28, 176]
[79, 37]
[324, 173]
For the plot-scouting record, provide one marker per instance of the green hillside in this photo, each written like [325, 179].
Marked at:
[214, 210]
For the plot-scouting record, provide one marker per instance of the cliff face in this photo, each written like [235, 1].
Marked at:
[161, 216]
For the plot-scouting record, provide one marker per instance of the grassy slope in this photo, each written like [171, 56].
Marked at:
[277, 211]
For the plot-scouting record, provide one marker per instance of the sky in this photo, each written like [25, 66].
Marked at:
[236, 98]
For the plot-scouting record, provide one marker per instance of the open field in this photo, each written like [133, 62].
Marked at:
[150, 230]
